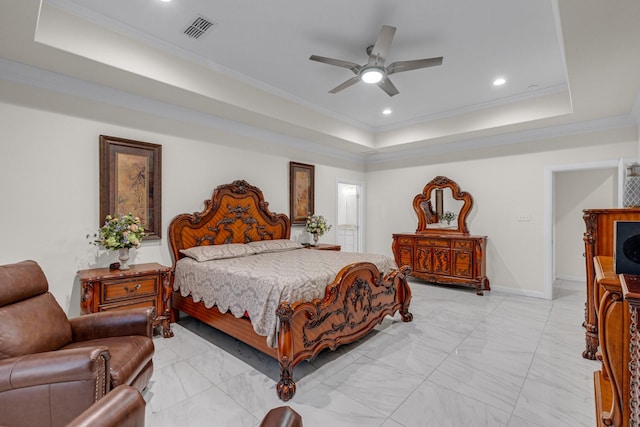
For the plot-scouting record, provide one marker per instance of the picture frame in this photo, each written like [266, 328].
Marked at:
[131, 182]
[301, 192]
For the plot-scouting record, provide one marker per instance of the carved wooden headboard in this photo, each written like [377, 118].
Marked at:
[236, 213]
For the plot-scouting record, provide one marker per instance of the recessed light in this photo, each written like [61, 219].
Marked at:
[386, 111]
[165, 1]
[499, 81]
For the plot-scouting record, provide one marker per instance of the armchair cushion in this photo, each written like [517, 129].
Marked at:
[24, 332]
[130, 355]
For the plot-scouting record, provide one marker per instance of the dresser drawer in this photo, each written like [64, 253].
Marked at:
[440, 243]
[405, 240]
[114, 290]
[463, 244]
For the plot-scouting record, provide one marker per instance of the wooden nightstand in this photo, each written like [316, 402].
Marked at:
[142, 285]
[325, 247]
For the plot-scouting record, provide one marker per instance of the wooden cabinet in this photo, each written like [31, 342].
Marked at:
[444, 259]
[439, 252]
[142, 285]
[325, 247]
[617, 383]
[598, 241]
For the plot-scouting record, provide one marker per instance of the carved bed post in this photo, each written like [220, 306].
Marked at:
[404, 292]
[286, 387]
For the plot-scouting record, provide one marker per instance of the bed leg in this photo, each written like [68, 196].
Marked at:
[286, 387]
[404, 293]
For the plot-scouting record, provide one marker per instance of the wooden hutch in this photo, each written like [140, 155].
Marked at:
[438, 252]
[598, 241]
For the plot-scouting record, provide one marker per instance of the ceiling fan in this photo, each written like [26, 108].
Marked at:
[374, 70]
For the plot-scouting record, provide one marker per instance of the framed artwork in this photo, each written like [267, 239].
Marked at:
[130, 181]
[301, 187]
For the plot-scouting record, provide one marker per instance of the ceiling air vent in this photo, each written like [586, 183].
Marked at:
[198, 27]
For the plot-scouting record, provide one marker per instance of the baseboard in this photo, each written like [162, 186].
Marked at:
[519, 292]
[571, 278]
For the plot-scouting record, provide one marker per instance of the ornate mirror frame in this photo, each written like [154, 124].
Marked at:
[426, 212]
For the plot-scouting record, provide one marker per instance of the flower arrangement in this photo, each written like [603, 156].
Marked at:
[448, 216]
[117, 233]
[317, 225]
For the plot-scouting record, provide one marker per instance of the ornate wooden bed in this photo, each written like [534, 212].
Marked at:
[357, 300]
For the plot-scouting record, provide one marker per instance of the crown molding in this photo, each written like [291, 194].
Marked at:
[55, 82]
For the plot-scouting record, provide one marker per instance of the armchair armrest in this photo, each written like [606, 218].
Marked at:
[116, 323]
[52, 388]
[70, 365]
[121, 407]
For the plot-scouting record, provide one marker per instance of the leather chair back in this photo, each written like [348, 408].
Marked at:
[24, 303]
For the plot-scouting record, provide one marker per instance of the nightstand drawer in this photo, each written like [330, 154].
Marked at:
[133, 303]
[114, 290]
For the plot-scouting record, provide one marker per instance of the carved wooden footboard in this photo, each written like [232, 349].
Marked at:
[357, 300]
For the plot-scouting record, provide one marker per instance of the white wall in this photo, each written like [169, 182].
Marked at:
[50, 185]
[50, 189]
[503, 188]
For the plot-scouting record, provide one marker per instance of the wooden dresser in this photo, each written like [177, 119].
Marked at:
[444, 258]
[598, 241]
[142, 285]
[445, 255]
[617, 383]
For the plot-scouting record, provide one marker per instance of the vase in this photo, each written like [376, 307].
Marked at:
[631, 197]
[315, 239]
[123, 256]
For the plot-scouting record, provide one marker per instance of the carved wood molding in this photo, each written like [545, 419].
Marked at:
[236, 213]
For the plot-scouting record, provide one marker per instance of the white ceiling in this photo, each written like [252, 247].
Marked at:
[565, 61]
[269, 43]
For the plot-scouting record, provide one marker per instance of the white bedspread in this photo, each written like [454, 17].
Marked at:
[256, 284]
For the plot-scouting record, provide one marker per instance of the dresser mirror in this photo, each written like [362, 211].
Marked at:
[440, 198]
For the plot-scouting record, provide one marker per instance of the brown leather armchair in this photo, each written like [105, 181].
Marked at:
[282, 416]
[121, 407]
[53, 368]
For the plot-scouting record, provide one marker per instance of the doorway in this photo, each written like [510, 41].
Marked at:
[349, 215]
[557, 181]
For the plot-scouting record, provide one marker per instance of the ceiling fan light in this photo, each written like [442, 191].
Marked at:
[372, 75]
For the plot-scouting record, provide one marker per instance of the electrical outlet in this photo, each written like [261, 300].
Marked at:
[524, 217]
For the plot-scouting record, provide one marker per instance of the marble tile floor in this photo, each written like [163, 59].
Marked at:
[465, 360]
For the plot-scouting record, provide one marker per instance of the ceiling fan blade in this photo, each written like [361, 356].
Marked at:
[350, 82]
[386, 85]
[337, 62]
[399, 66]
[382, 45]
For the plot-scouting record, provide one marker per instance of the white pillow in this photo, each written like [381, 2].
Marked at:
[277, 245]
[211, 252]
